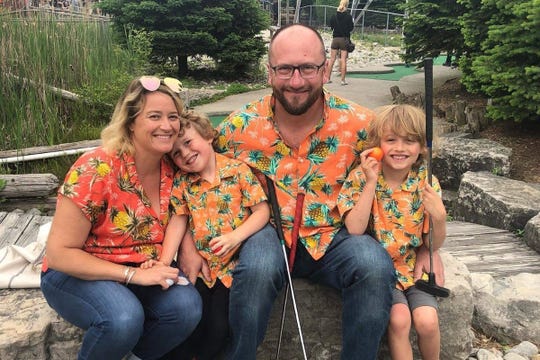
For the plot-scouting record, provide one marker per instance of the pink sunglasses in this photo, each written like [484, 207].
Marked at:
[151, 83]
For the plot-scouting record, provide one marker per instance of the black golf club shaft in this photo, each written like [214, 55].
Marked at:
[430, 286]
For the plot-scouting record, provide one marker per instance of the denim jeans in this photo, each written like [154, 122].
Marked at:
[146, 320]
[358, 266]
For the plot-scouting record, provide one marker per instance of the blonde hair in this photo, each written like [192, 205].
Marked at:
[200, 123]
[403, 120]
[343, 4]
[116, 136]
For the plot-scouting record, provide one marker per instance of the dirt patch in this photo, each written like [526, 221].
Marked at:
[523, 139]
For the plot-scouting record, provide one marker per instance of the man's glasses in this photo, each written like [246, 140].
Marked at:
[151, 83]
[307, 71]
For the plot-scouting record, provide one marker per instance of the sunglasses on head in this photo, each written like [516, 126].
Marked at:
[151, 83]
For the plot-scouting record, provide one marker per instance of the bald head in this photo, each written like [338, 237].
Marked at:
[295, 37]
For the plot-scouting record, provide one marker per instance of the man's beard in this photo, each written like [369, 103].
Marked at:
[297, 108]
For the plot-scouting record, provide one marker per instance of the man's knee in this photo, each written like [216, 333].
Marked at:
[261, 254]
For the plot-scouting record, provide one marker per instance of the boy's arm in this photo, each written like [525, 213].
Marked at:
[173, 237]
[357, 219]
[260, 215]
[435, 208]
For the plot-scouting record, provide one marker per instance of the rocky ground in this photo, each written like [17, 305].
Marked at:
[523, 139]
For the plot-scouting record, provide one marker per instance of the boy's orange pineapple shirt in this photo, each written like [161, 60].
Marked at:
[217, 208]
[398, 219]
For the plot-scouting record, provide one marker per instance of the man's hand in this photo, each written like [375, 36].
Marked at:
[422, 265]
[190, 262]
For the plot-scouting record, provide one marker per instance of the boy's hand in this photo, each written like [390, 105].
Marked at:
[150, 263]
[370, 165]
[433, 203]
[224, 244]
[422, 265]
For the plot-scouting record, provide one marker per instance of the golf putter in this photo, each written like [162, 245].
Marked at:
[279, 229]
[430, 286]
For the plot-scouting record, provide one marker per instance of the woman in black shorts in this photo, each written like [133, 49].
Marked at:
[342, 25]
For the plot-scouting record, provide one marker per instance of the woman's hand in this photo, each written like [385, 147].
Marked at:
[157, 274]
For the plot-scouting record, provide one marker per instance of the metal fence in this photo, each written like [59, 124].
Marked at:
[371, 21]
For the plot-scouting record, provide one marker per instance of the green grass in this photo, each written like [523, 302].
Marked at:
[399, 71]
[216, 119]
[40, 57]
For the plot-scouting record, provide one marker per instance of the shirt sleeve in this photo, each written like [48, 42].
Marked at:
[252, 190]
[178, 203]
[350, 191]
[86, 184]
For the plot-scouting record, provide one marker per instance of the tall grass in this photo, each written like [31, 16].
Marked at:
[38, 53]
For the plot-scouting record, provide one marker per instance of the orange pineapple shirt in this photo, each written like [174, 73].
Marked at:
[317, 168]
[397, 219]
[124, 227]
[217, 208]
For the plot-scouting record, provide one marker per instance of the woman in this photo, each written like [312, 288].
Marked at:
[342, 25]
[111, 215]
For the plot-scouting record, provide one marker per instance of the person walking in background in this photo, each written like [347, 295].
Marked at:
[392, 199]
[306, 140]
[111, 215]
[222, 204]
[342, 25]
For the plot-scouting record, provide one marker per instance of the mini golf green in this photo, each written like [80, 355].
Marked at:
[216, 119]
[399, 71]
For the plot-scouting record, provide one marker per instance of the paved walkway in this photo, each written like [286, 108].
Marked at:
[367, 92]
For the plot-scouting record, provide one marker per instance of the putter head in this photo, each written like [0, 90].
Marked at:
[431, 287]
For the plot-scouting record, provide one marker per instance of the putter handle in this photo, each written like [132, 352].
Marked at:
[428, 78]
[275, 209]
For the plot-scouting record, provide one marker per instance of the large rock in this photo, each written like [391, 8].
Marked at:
[497, 201]
[30, 329]
[320, 315]
[456, 311]
[531, 235]
[508, 309]
[456, 154]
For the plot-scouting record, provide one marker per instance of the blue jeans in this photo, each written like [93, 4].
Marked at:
[146, 320]
[358, 266]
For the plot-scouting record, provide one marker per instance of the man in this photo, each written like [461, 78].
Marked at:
[306, 140]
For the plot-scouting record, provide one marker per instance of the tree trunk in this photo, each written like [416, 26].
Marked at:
[182, 66]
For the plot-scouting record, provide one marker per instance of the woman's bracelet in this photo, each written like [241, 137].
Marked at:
[126, 272]
[130, 276]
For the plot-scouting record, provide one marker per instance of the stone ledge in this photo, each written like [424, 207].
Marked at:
[456, 155]
[35, 331]
[497, 201]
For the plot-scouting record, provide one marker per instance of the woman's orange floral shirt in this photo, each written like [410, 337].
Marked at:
[106, 188]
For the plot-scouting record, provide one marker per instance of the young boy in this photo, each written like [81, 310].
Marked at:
[224, 204]
[393, 201]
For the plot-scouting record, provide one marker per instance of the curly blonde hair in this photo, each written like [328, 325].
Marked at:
[116, 136]
[200, 123]
[403, 120]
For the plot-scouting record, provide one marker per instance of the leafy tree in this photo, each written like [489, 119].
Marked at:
[508, 67]
[474, 28]
[227, 31]
[430, 28]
